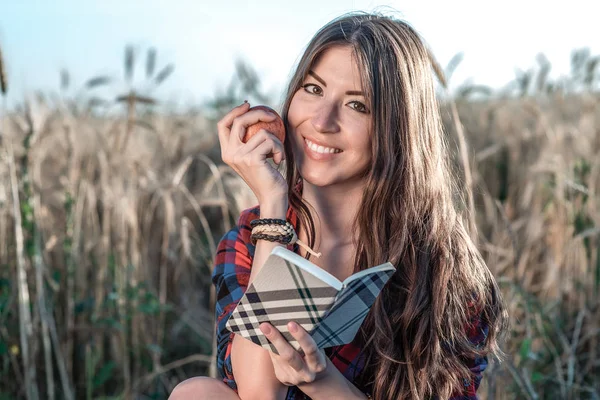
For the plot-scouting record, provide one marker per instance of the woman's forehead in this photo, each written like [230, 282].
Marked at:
[338, 57]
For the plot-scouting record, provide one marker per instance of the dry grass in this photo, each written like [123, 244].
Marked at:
[537, 170]
[108, 225]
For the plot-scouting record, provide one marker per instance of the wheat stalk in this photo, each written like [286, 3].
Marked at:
[3, 227]
[25, 320]
[3, 80]
[41, 300]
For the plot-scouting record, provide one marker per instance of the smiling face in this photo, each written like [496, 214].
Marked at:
[329, 122]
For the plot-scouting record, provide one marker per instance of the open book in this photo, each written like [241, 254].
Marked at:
[290, 288]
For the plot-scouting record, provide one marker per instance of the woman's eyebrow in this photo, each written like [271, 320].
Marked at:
[349, 92]
[317, 77]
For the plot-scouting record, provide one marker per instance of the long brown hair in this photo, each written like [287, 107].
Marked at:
[414, 340]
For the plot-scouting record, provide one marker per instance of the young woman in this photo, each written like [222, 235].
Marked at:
[367, 181]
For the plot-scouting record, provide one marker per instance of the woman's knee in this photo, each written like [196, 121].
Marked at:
[202, 387]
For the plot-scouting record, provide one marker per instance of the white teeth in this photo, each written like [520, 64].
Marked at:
[320, 149]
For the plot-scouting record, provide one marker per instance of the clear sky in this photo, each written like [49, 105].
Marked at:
[203, 38]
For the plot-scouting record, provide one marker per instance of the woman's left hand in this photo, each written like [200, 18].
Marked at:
[291, 367]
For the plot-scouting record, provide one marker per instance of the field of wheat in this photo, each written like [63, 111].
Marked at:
[110, 211]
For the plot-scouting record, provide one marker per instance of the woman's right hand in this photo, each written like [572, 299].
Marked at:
[249, 159]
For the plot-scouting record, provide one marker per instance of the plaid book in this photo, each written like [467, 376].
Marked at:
[291, 288]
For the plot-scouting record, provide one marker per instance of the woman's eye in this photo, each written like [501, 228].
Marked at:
[358, 106]
[312, 89]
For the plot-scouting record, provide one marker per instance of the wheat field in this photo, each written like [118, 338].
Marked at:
[110, 211]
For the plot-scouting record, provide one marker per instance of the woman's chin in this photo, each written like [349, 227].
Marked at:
[316, 181]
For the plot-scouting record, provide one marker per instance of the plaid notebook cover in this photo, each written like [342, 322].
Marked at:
[280, 293]
[351, 307]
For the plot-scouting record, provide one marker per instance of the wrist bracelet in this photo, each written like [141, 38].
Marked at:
[268, 221]
[277, 230]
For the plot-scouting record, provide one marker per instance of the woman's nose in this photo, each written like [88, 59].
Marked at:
[325, 118]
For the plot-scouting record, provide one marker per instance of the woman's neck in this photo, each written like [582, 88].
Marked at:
[333, 210]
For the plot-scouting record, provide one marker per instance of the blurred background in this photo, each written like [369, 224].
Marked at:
[113, 194]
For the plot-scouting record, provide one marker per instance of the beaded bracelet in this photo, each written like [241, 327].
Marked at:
[272, 238]
[283, 235]
[269, 221]
[277, 233]
[283, 229]
[277, 230]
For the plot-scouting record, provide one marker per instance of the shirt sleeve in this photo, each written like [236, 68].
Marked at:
[477, 332]
[231, 274]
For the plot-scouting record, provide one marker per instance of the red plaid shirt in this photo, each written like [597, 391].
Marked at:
[230, 277]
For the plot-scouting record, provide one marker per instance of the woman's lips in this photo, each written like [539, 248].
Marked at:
[315, 154]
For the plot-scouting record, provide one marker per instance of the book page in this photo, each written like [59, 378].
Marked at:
[306, 265]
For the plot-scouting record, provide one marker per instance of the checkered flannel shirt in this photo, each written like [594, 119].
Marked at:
[231, 274]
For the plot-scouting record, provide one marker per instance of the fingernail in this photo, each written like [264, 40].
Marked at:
[266, 329]
[293, 327]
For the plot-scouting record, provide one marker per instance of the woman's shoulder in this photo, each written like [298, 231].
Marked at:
[247, 216]
[235, 250]
[242, 230]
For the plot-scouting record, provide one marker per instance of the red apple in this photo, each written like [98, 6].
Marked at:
[275, 127]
